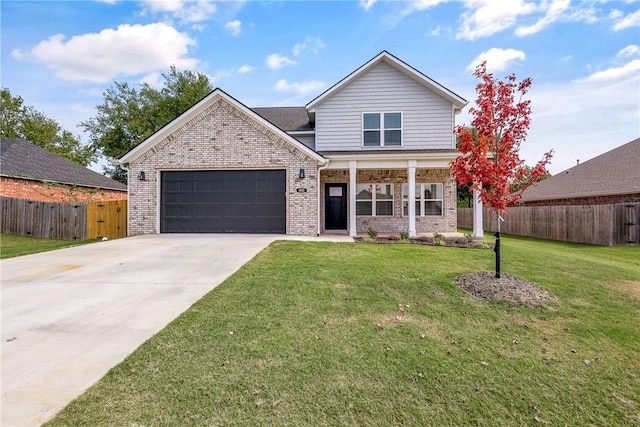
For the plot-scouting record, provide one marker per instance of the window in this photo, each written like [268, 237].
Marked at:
[428, 199]
[382, 129]
[374, 199]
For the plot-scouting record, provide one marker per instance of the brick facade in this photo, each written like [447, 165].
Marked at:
[45, 191]
[447, 222]
[224, 137]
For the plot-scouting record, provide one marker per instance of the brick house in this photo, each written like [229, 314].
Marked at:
[612, 177]
[28, 171]
[373, 151]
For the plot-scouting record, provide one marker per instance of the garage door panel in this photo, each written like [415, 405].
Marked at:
[223, 201]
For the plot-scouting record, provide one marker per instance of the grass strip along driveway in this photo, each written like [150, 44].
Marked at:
[12, 245]
[363, 334]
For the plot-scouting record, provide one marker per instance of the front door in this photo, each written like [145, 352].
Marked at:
[335, 206]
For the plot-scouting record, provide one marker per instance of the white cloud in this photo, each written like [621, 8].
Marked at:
[627, 71]
[234, 27]
[276, 61]
[632, 20]
[81, 108]
[184, 10]
[615, 14]
[218, 76]
[126, 50]
[631, 50]
[153, 79]
[246, 69]
[435, 31]
[568, 108]
[310, 44]
[366, 4]
[410, 7]
[486, 17]
[555, 9]
[497, 59]
[301, 88]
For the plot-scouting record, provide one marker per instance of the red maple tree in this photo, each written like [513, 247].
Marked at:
[490, 162]
[489, 147]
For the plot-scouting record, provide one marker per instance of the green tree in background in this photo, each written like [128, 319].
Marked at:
[22, 121]
[131, 113]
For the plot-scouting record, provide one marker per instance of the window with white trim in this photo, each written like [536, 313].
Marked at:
[374, 199]
[428, 199]
[382, 129]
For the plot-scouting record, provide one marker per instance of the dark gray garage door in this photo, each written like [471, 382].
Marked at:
[223, 201]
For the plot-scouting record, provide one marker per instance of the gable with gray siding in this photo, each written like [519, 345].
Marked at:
[428, 119]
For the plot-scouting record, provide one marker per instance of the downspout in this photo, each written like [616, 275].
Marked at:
[326, 164]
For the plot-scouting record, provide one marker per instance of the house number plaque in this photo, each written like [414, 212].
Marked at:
[301, 190]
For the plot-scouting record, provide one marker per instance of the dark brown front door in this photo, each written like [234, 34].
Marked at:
[335, 206]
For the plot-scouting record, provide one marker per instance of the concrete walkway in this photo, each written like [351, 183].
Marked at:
[70, 315]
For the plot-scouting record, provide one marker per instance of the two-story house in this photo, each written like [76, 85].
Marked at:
[373, 151]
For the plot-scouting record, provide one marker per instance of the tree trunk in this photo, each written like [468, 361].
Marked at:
[496, 249]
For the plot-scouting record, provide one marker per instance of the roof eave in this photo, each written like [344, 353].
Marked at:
[399, 65]
[395, 156]
[179, 121]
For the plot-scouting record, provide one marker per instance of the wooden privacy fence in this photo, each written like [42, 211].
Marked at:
[606, 225]
[66, 221]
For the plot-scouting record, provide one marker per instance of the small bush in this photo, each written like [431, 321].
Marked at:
[438, 239]
[372, 232]
[404, 235]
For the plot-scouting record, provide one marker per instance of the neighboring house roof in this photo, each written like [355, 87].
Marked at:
[22, 159]
[198, 108]
[612, 173]
[289, 119]
[399, 65]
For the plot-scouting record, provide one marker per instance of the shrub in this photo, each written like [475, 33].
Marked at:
[372, 232]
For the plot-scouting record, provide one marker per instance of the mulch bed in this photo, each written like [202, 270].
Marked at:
[510, 289]
[458, 242]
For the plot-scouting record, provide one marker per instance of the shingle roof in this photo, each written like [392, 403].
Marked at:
[22, 159]
[614, 172]
[286, 118]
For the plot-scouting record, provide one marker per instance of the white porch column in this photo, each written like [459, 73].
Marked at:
[412, 197]
[477, 215]
[352, 198]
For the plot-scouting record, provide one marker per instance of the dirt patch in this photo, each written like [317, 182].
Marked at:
[631, 288]
[510, 289]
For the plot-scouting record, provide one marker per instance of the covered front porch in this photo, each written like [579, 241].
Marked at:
[358, 195]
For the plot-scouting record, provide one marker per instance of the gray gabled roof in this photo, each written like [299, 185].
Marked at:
[22, 159]
[612, 173]
[289, 119]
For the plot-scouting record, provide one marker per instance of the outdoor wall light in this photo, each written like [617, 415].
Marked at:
[301, 173]
[141, 176]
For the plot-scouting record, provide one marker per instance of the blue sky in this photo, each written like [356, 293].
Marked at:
[583, 56]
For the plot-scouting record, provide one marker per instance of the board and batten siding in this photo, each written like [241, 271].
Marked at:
[427, 118]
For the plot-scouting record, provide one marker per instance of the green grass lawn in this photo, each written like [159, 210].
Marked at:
[308, 334]
[12, 245]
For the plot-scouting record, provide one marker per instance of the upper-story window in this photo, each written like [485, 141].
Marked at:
[382, 129]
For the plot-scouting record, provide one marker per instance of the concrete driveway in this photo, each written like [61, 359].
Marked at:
[70, 315]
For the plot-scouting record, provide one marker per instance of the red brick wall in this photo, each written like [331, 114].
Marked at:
[599, 200]
[52, 192]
